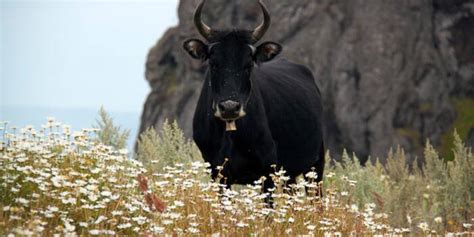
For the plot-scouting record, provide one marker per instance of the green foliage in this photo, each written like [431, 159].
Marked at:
[439, 189]
[109, 134]
[463, 124]
[165, 148]
[399, 192]
[349, 169]
[460, 182]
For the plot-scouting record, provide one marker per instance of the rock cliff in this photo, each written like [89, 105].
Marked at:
[391, 72]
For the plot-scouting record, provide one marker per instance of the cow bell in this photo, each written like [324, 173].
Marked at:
[230, 126]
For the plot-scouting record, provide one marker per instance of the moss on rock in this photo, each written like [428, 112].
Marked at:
[463, 124]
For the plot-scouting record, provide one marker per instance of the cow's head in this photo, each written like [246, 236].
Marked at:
[231, 56]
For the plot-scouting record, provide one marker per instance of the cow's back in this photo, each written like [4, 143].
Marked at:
[293, 109]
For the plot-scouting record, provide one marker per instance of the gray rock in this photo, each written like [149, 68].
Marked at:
[387, 69]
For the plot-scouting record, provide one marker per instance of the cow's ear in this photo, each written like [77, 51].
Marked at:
[267, 51]
[196, 48]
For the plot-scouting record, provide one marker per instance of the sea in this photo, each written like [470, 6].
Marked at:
[77, 118]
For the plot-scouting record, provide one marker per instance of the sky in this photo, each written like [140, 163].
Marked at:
[79, 53]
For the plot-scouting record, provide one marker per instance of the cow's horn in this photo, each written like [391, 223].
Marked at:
[258, 33]
[204, 29]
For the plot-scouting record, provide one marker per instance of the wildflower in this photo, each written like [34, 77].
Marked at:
[95, 171]
[53, 209]
[93, 197]
[167, 222]
[354, 208]
[69, 200]
[15, 217]
[438, 219]
[311, 175]
[140, 220]
[226, 202]
[56, 181]
[124, 226]
[22, 201]
[175, 215]
[94, 232]
[193, 230]
[106, 193]
[114, 197]
[242, 224]
[83, 224]
[109, 232]
[157, 229]
[405, 230]
[423, 226]
[100, 219]
[68, 227]
[352, 182]
[117, 213]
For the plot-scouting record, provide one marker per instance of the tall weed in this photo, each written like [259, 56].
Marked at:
[165, 148]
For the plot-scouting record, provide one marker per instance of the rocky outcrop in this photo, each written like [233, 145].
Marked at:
[388, 70]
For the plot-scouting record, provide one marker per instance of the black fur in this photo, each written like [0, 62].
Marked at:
[283, 109]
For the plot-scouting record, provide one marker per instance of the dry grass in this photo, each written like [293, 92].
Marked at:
[54, 181]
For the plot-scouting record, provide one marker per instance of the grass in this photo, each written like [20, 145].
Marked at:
[55, 181]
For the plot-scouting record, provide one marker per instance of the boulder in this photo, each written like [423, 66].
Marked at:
[388, 70]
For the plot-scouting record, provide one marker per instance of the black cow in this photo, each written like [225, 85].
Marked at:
[256, 112]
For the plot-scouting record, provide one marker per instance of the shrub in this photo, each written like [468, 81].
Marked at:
[439, 193]
[165, 148]
[109, 134]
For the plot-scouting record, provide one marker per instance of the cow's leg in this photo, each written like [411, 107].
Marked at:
[316, 191]
[268, 184]
[319, 168]
[223, 181]
[265, 149]
[267, 156]
[288, 185]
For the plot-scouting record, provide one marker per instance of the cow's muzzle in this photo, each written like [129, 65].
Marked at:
[229, 110]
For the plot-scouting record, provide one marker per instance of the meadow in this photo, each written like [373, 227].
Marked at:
[58, 181]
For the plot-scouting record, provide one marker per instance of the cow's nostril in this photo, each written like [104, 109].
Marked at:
[221, 107]
[229, 106]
